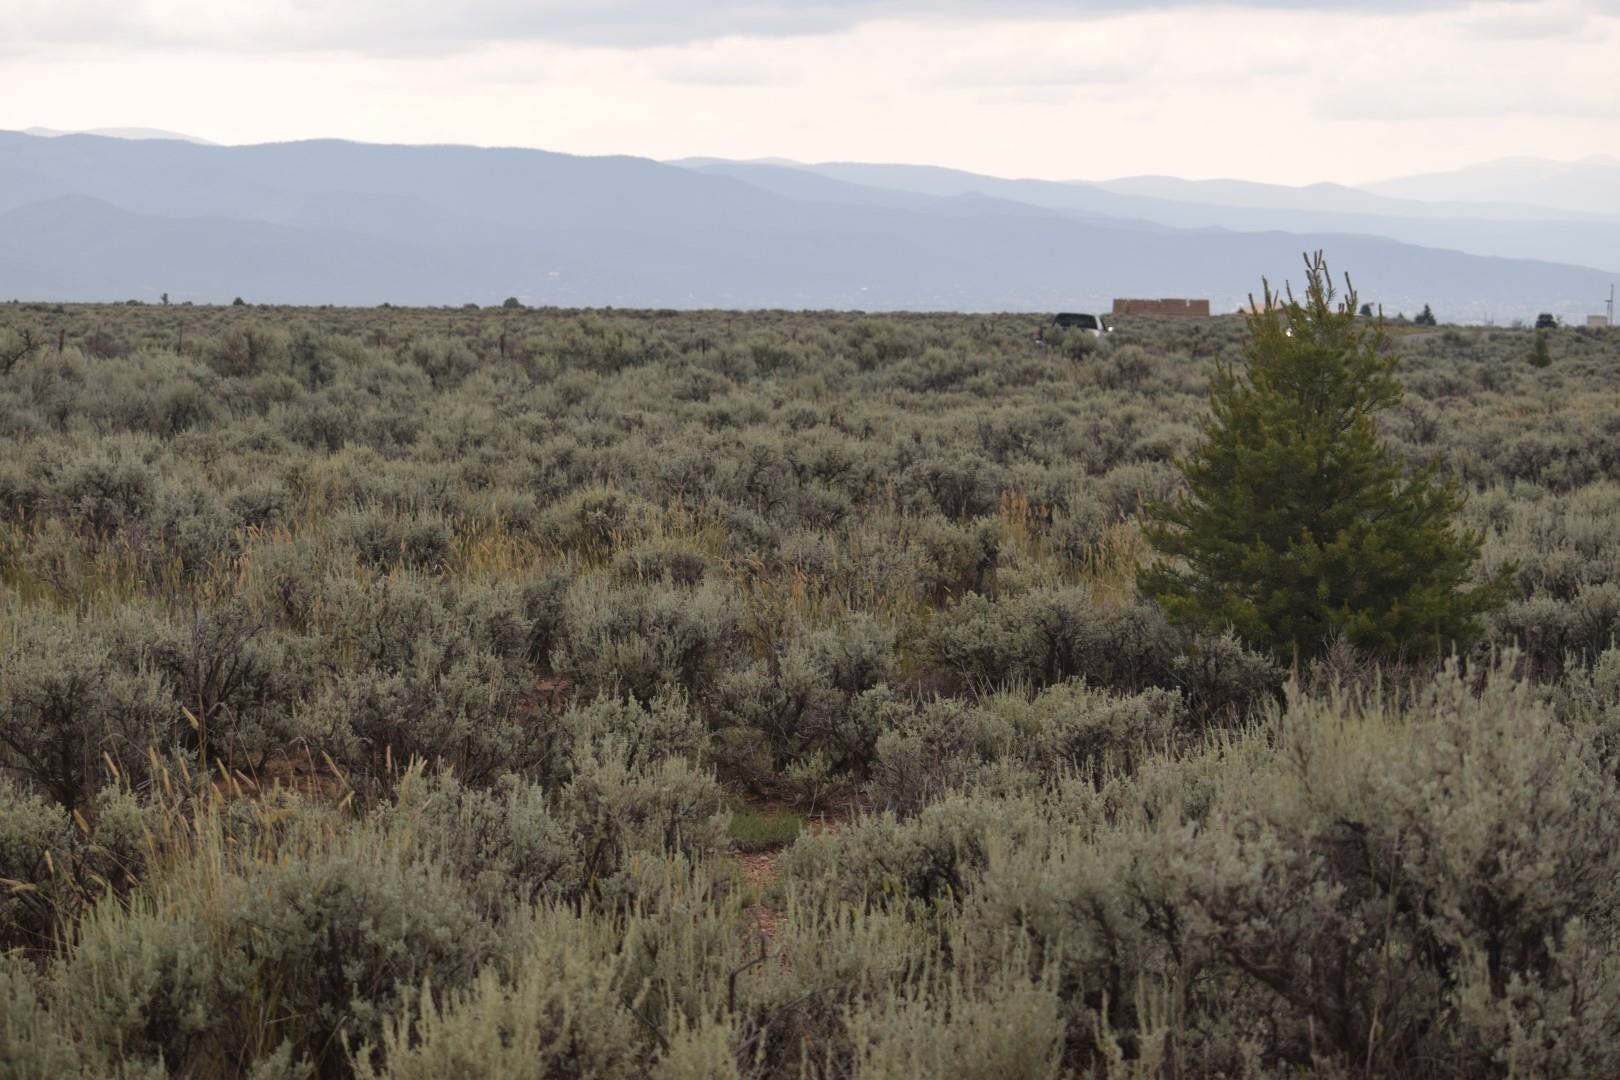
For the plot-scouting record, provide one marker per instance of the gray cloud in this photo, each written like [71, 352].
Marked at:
[1038, 74]
[436, 26]
[1557, 19]
[1473, 105]
[708, 72]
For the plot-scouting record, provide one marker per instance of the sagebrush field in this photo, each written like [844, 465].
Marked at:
[457, 693]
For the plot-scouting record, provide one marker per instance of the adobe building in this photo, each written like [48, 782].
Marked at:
[1177, 309]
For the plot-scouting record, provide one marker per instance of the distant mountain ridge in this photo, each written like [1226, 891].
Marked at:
[1590, 185]
[1508, 230]
[327, 221]
[1333, 198]
[121, 133]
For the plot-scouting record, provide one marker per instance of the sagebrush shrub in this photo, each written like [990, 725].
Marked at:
[380, 684]
[66, 708]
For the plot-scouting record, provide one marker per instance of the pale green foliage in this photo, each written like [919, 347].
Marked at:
[560, 1015]
[65, 703]
[31, 1042]
[377, 685]
[634, 640]
[35, 836]
[1006, 1028]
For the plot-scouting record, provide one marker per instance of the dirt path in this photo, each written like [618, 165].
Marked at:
[761, 921]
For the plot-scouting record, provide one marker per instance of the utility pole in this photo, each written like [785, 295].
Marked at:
[1611, 305]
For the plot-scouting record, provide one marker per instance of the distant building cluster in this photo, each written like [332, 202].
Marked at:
[1175, 308]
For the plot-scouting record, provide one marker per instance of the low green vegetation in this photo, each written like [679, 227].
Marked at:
[388, 693]
[763, 830]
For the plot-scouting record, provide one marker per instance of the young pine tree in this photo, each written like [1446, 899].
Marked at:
[1297, 526]
[1539, 354]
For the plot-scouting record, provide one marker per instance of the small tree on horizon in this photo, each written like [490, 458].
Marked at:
[1425, 317]
[1297, 526]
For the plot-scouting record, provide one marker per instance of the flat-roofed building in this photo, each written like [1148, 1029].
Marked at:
[1175, 308]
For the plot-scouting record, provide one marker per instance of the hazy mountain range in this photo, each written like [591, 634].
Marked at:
[120, 133]
[110, 218]
[1591, 184]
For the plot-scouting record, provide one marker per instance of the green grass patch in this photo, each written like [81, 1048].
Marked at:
[757, 830]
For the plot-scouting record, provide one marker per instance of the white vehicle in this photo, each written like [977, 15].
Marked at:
[1094, 325]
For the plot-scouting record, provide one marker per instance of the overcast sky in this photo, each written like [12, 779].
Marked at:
[1274, 90]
